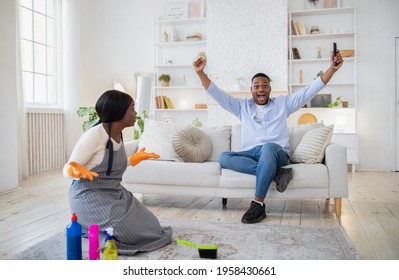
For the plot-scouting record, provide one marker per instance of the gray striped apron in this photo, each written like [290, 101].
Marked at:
[104, 201]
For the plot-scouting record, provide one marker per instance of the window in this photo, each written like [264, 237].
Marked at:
[39, 25]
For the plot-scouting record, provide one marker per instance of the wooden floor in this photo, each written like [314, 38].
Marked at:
[370, 216]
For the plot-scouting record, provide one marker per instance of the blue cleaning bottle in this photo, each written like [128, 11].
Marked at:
[74, 239]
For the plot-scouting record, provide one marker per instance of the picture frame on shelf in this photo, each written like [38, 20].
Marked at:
[328, 4]
[176, 11]
[320, 100]
[196, 9]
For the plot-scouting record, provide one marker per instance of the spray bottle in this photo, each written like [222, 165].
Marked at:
[74, 239]
[110, 250]
[94, 244]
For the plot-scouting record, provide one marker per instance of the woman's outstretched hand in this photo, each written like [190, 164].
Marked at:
[75, 170]
[141, 155]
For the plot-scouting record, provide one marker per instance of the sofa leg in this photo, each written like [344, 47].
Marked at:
[337, 203]
[224, 201]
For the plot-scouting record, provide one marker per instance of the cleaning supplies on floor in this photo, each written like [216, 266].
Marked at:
[74, 239]
[94, 243]
[205, 251]
[110, 250]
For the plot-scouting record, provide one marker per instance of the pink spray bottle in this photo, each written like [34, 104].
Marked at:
[94, 243]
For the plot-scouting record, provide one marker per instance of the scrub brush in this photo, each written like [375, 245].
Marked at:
[205, 251]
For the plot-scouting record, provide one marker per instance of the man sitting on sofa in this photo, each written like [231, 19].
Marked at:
[264, 132]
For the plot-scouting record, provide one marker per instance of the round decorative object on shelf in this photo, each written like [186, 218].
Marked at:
[184, 105]
[307, 118]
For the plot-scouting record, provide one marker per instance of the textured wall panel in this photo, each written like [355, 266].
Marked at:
[244, 38]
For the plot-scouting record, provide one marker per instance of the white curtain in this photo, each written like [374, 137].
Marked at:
[72, 71]
[23, 165]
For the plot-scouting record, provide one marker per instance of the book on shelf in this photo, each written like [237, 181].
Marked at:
[298, 28]
[295, 53]
[294, 28]
[168, 103]
[164, 102]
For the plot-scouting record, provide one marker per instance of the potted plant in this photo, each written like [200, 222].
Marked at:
[164, 79]
[336, 103]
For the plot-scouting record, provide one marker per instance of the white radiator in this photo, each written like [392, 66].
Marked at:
[46, 145]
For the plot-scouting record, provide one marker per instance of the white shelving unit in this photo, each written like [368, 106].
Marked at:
[174, 57]
[335, 25]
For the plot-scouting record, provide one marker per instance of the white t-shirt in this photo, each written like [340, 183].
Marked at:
[90, 149]
[260, 113]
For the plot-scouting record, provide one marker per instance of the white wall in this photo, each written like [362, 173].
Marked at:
[378, 23]
[117, 41]
[112, 40]
[8, 104]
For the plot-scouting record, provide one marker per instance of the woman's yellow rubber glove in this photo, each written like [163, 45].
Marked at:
[141, 155]
[75, 170]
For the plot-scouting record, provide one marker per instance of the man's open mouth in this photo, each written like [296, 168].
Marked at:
[261, 97]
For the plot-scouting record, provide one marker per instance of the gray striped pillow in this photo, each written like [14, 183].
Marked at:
[313, 143]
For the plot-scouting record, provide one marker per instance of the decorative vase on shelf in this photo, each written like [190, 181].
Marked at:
[164, 83]
[164, 79]
[165, 37]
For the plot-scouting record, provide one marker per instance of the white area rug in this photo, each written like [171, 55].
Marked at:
[236, 241]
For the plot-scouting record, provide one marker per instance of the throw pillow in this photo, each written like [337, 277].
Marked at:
[220, 137]
[192, 145]
[157, 138]
[311, 148]
[296, 133]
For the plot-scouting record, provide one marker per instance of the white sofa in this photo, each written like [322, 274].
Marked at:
[321, 180]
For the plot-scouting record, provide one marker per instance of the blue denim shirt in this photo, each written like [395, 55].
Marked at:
[273, 128]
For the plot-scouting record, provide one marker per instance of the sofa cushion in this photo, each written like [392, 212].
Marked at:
[235, 180]
[236, 138]
[156, 172]
[192, 144]
[297, 132]
[157, 138]
[311, 148]
[220, 137]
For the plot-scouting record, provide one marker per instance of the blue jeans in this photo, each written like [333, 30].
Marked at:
[261, 161]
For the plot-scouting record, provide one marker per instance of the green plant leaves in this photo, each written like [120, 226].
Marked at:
[92, 118]
[336, 103]
[140, 124]
[89, 112]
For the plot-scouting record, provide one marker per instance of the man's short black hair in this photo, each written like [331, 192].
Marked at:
[261, 75]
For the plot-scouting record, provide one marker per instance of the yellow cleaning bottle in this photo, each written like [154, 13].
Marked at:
[110, 250]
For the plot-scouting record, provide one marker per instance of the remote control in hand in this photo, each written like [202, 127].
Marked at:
[335, 52]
